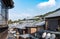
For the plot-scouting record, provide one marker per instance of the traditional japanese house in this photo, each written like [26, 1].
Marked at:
[4, 6]
[35, 27]
[38, 26]
[53, 21]
[29, 28]
[22, 27]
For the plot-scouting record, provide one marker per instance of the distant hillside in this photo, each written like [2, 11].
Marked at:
[48, 13]
[51, 12]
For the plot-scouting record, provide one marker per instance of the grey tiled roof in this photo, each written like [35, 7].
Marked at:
[40, 23]
[36, 24]
[55, 14]
[27, 24]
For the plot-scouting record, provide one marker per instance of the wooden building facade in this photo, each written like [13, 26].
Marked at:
[4, 6]
[53, 22]
[31, 29]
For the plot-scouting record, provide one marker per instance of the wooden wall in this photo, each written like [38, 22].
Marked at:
[52, 20]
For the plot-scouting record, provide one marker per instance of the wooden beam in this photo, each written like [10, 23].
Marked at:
[8, 3]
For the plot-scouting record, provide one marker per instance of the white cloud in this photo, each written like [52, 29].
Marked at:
[50, 3]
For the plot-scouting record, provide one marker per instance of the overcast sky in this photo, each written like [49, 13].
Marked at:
[30, 8]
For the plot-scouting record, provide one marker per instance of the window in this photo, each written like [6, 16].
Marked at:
[33, 30]
[52, 24]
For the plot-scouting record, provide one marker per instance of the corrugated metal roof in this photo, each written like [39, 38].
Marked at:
[55, 14]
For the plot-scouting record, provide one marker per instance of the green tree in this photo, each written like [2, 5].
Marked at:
[10, 21]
